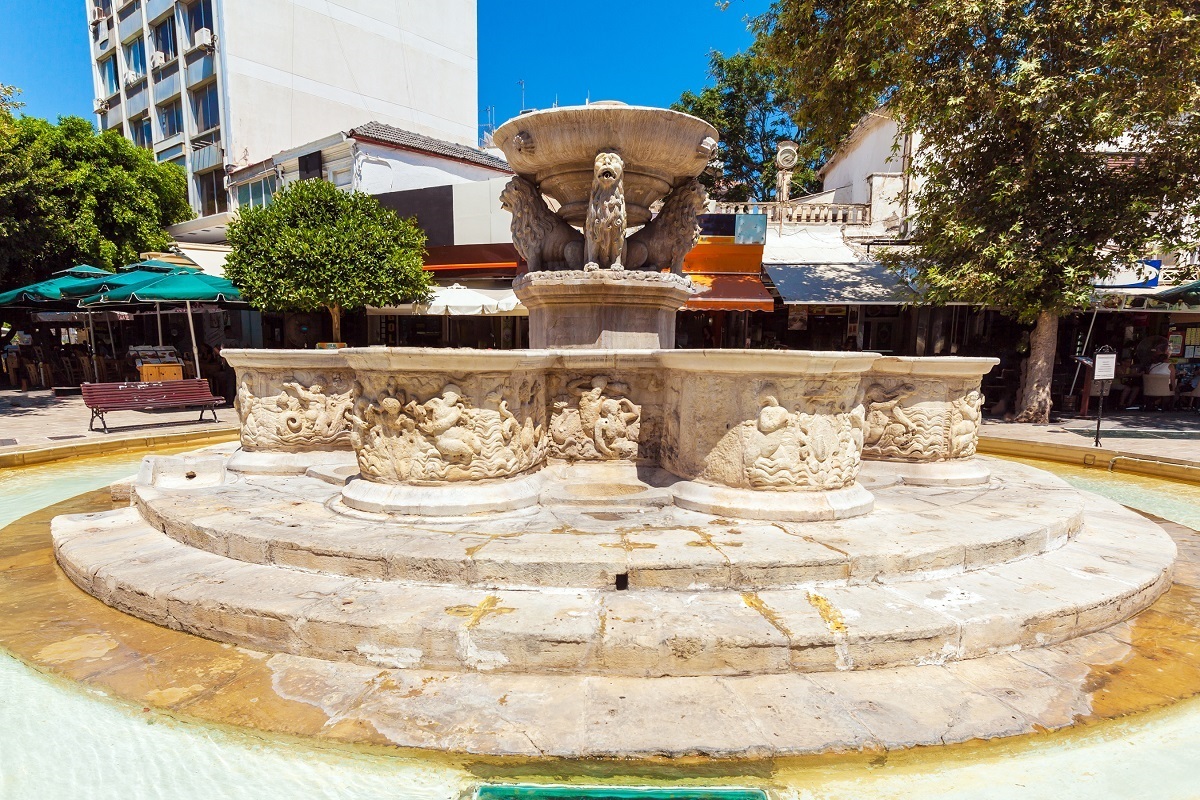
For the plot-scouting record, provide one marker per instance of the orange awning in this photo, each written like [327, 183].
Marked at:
[724, 292]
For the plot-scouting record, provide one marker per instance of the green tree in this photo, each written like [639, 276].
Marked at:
[1058, 138]
[749, 109]
[317, 247]
[69, 196]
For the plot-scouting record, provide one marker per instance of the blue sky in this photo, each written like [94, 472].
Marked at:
[645, 52]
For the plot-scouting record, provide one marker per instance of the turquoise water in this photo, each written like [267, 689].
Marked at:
[59, 740]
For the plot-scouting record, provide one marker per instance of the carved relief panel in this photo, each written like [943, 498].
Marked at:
[775, 434]
[911, 419]
[435, 428]
[289, 410]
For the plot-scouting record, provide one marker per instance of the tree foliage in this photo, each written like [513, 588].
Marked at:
[70, 196]
[1057, 137]
[749, 108]
[317, 247]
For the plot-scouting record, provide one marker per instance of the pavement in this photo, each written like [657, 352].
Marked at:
[37, 420]
[1169, 435]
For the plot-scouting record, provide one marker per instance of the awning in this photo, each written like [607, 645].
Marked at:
[819, 244]
[863, 283]
[725, 292]
[80, 317]
[461, 301]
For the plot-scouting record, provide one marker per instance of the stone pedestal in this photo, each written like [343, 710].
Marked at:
[603, 309]
[922, 418]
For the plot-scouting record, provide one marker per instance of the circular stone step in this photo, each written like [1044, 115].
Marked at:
[914, 531]
[1116, 565]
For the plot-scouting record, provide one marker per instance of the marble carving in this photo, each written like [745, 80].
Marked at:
[595, 420]
[541, 237]
[303, 415]
[920, 420]
[400, 438]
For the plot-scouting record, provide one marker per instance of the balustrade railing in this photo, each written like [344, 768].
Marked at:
[803, 213]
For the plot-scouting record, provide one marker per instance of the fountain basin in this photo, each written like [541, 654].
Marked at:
[922, 418]
[556, 149]
[292, 405]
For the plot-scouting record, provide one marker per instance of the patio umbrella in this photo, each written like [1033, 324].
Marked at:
[52, 289]
[458, 300]
[185, 287]
[1187, 293]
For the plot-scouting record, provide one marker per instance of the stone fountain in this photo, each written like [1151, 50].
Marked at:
[577, 528]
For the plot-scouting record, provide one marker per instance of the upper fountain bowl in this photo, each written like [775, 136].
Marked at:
[556, 149]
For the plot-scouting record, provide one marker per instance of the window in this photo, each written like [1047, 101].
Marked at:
[206, 108]
[170, 118]
[142, 133]
[106, 5]
[164, 38]
[257, 193]
[211, 188]
[135, 56]
[108, 76]
[199, 15]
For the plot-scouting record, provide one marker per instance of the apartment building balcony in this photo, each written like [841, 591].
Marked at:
[137, 98]
[206, 153]
[803, 213]
[200, 67]
[166, 85]
[158, 8]
[129, 23]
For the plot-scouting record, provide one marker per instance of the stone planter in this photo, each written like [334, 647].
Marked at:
[922, 418]
[765, 434]
[427, 421]
[292, 405]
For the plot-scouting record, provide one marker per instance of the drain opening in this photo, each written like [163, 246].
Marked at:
[189, 475]
[622, 582]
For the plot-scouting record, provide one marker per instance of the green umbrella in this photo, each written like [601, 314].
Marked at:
[1187, 293]
[132, 275]
[173, 287]
[52, 289]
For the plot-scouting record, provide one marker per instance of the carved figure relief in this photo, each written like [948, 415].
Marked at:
[923, 421]
[399, 438]
[606, 217]
[595, 420]
[666, 239]
[965, 415]
[787, 450]
[300, 417]
[542, 238]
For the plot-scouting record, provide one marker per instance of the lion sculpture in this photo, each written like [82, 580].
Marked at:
[667, 238]
[541, 237]
[606, 218]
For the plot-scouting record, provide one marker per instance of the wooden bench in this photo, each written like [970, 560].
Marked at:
[192, 393]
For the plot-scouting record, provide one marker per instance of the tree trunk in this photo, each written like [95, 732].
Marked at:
[1043, 343]
[335, 313]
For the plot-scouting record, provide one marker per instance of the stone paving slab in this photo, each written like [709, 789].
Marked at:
[128, 563]
[290, 522]
[48, 622]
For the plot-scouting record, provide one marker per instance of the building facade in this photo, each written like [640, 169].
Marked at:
[217, 85]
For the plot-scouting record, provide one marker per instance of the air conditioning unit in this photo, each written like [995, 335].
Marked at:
[101, 106]
[133, 77]
[98, 15]
[158, 59]
[203, 37]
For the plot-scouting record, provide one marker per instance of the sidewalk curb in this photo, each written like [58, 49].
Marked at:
[92, 447]
[1175, 469]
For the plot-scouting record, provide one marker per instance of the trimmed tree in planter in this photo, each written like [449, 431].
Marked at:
[316, 247]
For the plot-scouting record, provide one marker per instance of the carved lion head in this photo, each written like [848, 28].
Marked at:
[609, 169]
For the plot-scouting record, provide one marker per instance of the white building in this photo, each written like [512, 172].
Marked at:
[216, 85]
